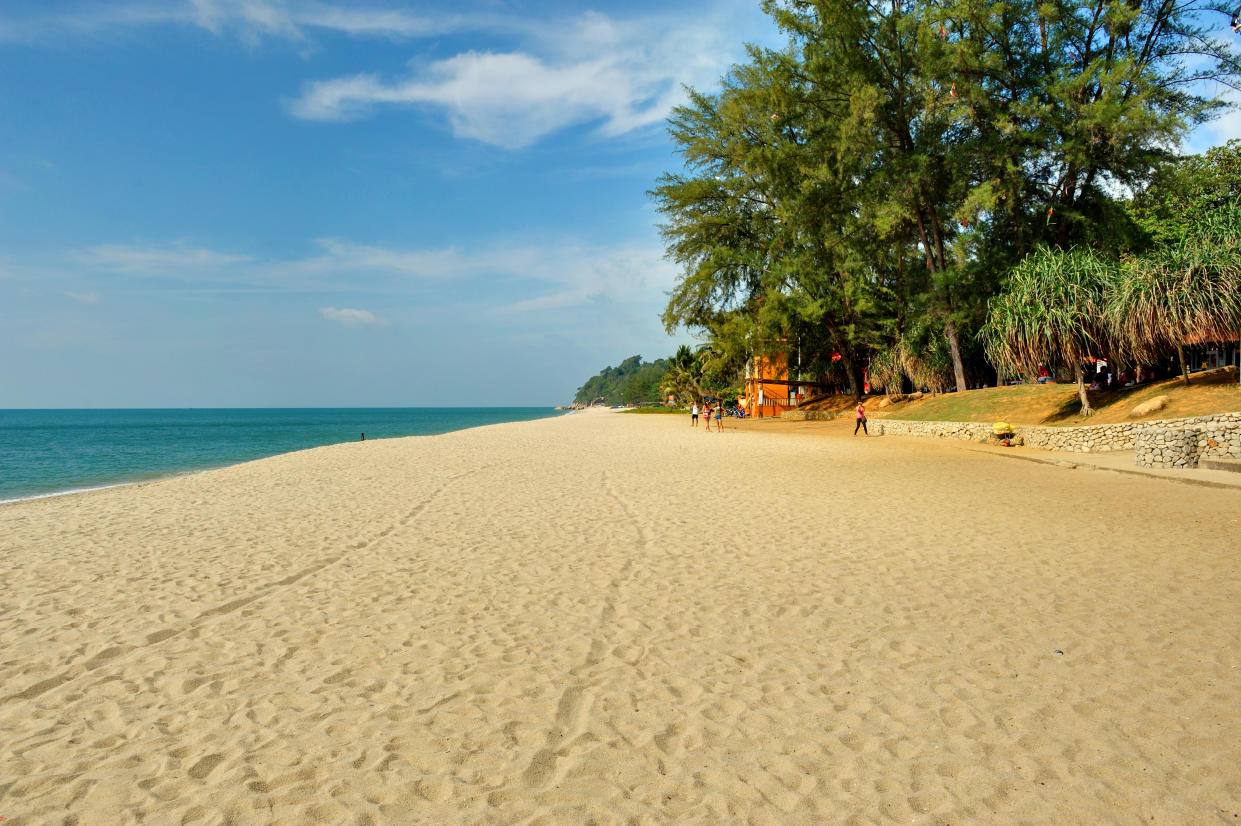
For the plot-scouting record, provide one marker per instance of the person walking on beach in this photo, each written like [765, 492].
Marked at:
[706, 415]
[693, 415]
[861, 419]
[719, 418]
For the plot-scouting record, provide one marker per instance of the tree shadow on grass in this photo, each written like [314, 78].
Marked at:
[1070, 412]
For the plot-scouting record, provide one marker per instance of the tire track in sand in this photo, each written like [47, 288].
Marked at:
[115, 654]
[570, 735]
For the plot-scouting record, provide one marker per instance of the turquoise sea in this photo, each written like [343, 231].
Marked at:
[45, 452]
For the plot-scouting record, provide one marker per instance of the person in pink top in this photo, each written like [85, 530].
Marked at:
[861, 419]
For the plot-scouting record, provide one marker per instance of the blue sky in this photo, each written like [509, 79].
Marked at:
[264, 203]
[303, 203]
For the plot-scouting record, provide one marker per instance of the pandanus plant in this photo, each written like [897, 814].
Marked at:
[1186, 290]
[922, 354]
[926, 357]
[885, 370]
[1052, 313]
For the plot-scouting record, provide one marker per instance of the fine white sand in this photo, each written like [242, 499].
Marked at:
[618, 619]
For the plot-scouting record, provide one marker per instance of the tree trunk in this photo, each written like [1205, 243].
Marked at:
[950, 330]
[852, 370]
[1180, 354]
[900, 291]
[1081, 391]
[935, 261]
[855, 376]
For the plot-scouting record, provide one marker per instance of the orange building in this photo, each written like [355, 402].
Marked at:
[768, 390]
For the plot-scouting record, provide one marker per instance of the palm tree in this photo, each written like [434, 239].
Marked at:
[1052, 313]
[683, 379]
[1188, 289]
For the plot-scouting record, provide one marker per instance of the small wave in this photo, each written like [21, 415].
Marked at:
[67, 492]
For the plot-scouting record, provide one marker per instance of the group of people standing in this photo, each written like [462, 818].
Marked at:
[707, 412]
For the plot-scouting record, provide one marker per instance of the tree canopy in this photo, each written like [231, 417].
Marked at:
[630, 382]
[869, 188]
[1189, 193]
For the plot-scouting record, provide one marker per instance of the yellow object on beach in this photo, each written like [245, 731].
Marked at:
[1001, 427]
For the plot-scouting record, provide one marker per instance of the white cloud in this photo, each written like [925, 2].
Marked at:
[575, 274]
[622, 75]
[250, 20]
[352, 318]
[345, 256]
[618, 74]
[382, 22]
[560, 273]
[174, 258]
[552, 273]
[509, 100]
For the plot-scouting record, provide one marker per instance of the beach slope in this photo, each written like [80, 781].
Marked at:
[620, 619]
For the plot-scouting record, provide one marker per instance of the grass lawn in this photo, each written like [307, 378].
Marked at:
[1214, 391]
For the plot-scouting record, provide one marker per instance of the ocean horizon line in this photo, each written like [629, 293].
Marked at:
[297, 407]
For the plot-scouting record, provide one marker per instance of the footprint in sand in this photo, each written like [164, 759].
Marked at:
[571, 714]
[205, 766]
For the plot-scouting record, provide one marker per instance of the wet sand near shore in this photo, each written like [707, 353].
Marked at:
[619, 619]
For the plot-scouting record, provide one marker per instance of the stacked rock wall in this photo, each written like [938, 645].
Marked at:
[808, 415]
[1167, 447]
[1215, 436]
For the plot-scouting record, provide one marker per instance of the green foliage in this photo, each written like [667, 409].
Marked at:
[1052, 312]
[926, 357]
[876, 181]
[1061, 307]
[1184, 195]
[886, 373]
[631, 382]
[683, 378]
[1187, 289]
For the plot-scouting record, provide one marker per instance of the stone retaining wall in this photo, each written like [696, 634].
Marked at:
[1216, 436]
[808, 415]
[1167, 447]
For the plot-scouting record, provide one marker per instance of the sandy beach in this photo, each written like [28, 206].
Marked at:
[616, 619]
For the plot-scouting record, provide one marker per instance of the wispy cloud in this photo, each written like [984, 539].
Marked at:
[168, 259]
[352, 318]
[250, 20]
[553, 273]
[344, 256]
[578, 274]
[620, 75]
[557, 273]
[83, 298]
